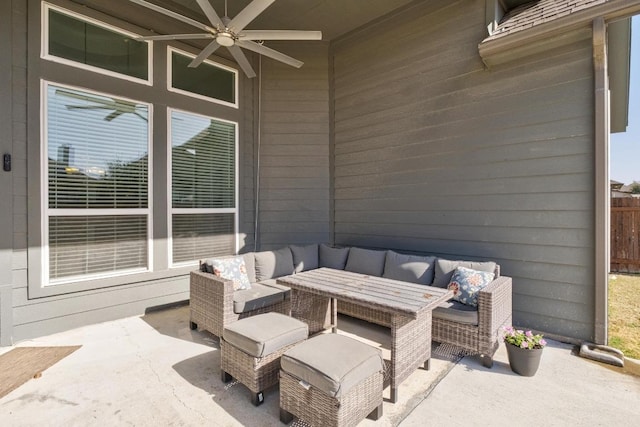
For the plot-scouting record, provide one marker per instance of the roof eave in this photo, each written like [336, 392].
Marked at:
[551, 34]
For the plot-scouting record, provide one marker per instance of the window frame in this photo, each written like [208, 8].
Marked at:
[171, 50]
[46, 211]
[184, 211]
[44, 45]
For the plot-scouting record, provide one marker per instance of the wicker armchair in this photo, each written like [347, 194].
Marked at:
[494, 312]
[211, 303]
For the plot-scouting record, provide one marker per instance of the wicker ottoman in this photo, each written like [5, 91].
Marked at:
[331, 380]
[251, 350]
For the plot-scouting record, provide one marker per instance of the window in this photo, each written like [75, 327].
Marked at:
[203, 186]
[83, 42]
[209, 81]
[97, 218]
[96, 224]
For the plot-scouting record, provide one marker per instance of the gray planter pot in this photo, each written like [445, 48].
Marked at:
[524, 361]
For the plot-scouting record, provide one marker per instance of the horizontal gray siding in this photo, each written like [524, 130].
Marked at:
[6, 179]
[435, 153]
[294, 149]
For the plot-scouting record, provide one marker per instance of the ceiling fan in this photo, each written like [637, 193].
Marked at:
[118, 106]
[231, 33]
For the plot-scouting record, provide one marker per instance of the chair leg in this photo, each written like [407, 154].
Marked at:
[257, 398]
[193, 326]
[225, 377]
[487, 361]
[376, 414]
[285, 417]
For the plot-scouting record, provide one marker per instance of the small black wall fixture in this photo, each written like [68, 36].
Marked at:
[6, 162]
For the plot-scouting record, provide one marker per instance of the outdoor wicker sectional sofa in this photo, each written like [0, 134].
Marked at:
[477, 330]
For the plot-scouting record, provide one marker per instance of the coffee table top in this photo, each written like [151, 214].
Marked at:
[379, 293]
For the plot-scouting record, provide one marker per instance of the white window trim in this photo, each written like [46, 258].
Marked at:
[44, 51]
[170, 88]
[47, 212]
[171, 210]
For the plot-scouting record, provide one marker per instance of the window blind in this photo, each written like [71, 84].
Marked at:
[200, 236]
[203, 162]
[97, 192]
[203, 179]
[87, 245]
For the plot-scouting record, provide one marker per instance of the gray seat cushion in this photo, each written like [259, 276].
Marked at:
[366, 261]
[456, 312]
[261, 335]
[335, 258]
[409, 268]
[273, 283]
[257, 297]
[272, 264]
[304, 257]
[444, 269]
[332, 363]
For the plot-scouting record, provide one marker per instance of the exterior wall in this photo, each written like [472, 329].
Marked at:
[7, 66]
[40, 316]
[394, 137]
[294, 152]
[435, 153]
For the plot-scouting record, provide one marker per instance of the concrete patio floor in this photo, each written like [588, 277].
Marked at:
[154, 371]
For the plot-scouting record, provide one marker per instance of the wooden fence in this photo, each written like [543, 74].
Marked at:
[625, 235]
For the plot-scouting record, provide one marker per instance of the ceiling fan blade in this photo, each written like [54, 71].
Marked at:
[172, 14]
[80, 96]
[273, 54]
[141, 116]
[280, 35]
[211, 47]
[248, 14]
[178, 37]
[113, 115]
[88, 107]
[211, 13]
[242, 61]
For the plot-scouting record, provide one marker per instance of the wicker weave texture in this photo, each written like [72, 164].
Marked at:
[410, 345]
[256, 373]
[211, 303]
[314, 310]
[365, 313]
[318, 409]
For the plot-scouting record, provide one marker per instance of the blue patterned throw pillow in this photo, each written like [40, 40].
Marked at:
[232, 268]
[466, 283]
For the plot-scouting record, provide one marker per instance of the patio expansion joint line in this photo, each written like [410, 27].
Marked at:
[142, 356]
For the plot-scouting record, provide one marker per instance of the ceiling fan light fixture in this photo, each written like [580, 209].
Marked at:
[225, 39]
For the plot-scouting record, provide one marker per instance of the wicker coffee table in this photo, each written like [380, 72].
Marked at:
[407, 306]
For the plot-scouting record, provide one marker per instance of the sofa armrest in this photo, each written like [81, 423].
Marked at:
[495, 307]
[210, 300]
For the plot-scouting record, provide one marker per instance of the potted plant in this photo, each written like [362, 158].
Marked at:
[524, 349]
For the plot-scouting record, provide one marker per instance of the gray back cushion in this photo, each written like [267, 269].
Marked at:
[409, 268]
[304, 257]
[333, 257]
[250, 265]
[366, 261]
[445, 268]
[272, 264]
